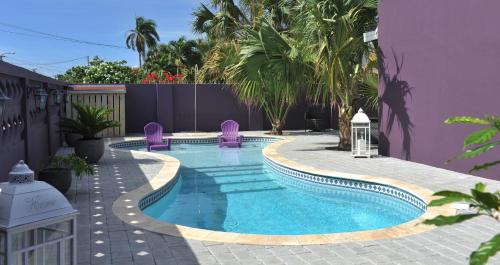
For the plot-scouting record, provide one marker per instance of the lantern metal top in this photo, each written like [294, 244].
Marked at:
[26, 201]
[41, 92]
[21, 173]
[360, 117]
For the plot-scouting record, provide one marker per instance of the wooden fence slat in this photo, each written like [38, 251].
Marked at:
[112, 100]
[122, 115]
[98, 105]
[116, 113]
[68, 105]
[104, 104]
[109, 132]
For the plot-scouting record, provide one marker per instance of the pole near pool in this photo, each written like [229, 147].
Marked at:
[195, 88]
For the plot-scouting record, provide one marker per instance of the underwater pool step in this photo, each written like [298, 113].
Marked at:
[220, 191]
[192, 174]
[205, 183]
[225, 167]
[222, 177]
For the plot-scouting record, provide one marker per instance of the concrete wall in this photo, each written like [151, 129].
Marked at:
[215, 104]
[30, 134]
[438, 59]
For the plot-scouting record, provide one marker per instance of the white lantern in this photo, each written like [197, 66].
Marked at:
[37, 223]
[360, 135]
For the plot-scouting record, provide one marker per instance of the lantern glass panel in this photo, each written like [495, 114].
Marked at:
[21, 240]
[52, 254]
[2, 242]
[2, 248]
[57, 96]
[54, 231]
[361, 141]
[35, 257]
[41, 98]
[68, 252]
[18, 259]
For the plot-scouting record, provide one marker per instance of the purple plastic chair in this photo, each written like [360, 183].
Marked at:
[154, 137]
[230, 136]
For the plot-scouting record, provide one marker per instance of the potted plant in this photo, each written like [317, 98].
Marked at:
[71, 138]
[59, 171]
[89, 122]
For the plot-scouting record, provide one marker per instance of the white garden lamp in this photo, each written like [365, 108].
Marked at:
[360, 135]
[37, 223]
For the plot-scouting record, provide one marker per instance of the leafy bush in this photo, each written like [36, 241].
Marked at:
[99, 72]
[72, 162]
[89, 123]
[480, 201]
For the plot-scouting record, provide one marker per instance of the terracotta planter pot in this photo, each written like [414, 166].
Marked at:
[71, 138]
[59, 178]
[90, 149]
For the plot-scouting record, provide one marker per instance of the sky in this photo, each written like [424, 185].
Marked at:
[100, 21]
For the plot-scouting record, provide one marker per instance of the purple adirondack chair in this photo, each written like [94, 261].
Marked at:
[153, 133]
[230, 136]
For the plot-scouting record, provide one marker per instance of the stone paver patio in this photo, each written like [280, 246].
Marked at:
[105, 239]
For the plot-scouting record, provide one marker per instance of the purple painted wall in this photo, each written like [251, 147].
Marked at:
[216, 103]
[438, 59]
[29, 134]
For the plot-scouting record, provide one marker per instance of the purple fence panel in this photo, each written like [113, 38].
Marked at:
[435, 64]
[26, 132]
[217, 104]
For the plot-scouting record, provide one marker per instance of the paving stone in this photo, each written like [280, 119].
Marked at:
[445, 245]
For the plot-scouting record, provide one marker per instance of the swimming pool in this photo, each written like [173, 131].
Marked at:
[236, 190]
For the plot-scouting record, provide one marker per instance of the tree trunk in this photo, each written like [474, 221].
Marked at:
[277, 128]
[345, 116]
[140, 60]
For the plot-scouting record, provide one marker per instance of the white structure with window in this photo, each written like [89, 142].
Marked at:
[360, 135]
[37, 223]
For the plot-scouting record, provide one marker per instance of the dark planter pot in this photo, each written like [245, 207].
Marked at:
[71, 138]
[59, 178]
[90, 149]
[314, 124]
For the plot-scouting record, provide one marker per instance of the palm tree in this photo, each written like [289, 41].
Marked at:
[143, 37]
[177, 56]
[333, 31]
[270, 72]
[224, 22]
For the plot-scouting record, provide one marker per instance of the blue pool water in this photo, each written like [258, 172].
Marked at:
[233, 190]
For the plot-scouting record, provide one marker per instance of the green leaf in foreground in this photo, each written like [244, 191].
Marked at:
[484, 166]
[480, 137]
[480, 187]
[442, 220]
[488, 200]
[466, 120]
[478, 150]
[485, 251]
[449, 197]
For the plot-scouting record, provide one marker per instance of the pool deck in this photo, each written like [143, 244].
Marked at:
[106, 239]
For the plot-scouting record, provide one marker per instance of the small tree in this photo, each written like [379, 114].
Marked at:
[333, 30]
[142, 37]
[270, 72]
[480, 201]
